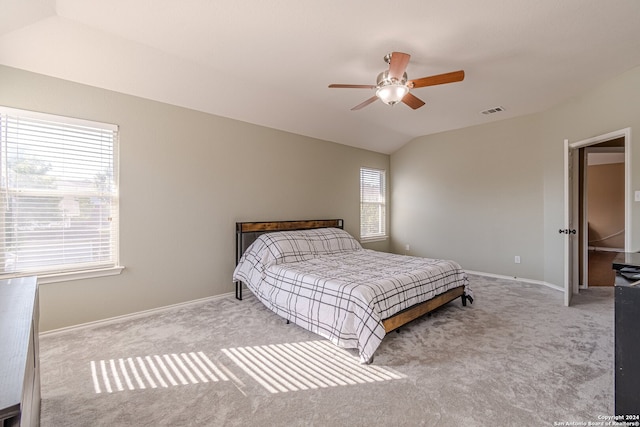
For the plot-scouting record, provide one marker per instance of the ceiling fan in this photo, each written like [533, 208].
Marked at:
[392, 85]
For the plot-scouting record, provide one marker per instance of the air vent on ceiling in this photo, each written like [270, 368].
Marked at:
[493, 110]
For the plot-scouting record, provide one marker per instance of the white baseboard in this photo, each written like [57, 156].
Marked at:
[144, 313]
[518, 279]
[135, 315]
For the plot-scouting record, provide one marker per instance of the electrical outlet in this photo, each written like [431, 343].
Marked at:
[517, 259]
[407, 247]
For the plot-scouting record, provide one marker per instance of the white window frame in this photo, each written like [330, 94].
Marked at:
[371, 200]
[76, 270]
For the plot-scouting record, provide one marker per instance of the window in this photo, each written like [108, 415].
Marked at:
[59, 195]
[373, 200]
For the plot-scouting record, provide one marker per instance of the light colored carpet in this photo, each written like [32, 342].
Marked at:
[514, 357]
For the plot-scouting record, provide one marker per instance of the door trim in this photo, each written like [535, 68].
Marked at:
[572, 202]
[626, 133]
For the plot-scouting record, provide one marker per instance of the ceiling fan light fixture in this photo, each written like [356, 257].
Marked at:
[392, 93]
[391, 90]
[392, 85]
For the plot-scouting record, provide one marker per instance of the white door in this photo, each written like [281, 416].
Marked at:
[569, 232]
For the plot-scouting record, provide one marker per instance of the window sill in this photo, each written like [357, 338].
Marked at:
[79, 275]
[373, 239]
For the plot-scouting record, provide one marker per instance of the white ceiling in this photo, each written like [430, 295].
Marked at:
[269, 62]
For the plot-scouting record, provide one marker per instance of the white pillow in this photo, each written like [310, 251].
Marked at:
[291, 246]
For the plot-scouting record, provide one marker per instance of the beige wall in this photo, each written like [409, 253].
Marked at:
[480, 195]
[185, 179]
[609, 107]
[605, 205]
[484, 194]
[474, 195]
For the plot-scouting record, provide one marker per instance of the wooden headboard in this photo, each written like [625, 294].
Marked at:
[248, 232]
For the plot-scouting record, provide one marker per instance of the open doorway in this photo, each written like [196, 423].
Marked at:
[574, 230]
[601, 210]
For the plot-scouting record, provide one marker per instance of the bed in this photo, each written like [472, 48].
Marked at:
[316, 275]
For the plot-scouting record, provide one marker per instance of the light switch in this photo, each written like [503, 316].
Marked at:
[637, 196]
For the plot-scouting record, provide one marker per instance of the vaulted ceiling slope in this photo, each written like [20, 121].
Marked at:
[270, 62]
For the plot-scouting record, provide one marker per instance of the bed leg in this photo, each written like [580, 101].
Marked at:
[239, 290]
[465, 298]
[369, 362]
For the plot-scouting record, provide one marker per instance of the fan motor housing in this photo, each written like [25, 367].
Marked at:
[384, 79]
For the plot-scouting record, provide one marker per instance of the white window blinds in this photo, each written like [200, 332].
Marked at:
[59, 194]
[373, 196]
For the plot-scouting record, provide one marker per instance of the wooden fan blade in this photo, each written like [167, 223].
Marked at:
[398, 64]
[338, 86]
[439, 79]
[365, 103]
[412, 101]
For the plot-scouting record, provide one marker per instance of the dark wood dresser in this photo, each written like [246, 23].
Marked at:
[627, 334]
[19, 361]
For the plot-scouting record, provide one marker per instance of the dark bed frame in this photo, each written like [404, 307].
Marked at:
[248, 232]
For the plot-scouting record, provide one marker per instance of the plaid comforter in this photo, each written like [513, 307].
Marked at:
[328, 284]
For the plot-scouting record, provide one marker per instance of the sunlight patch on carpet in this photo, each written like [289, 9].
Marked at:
[281, 368]
[149, 372]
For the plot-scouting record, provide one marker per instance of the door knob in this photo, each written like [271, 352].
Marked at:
[567, 231]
